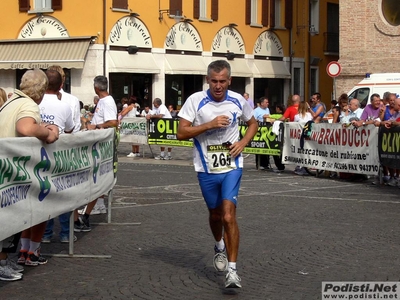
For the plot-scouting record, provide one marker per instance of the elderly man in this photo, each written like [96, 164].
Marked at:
[211, 119]
[249, 100]
[105, 116]
[355, 112]
[20, 117]
[371, 112]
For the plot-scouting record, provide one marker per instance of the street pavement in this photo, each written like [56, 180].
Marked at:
[296, 231]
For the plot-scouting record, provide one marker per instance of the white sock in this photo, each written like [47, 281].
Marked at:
[34, 247]
[25, 244]
[232, 265]
[162, 153]
[100, 201]
[220, 245]
[169, 153]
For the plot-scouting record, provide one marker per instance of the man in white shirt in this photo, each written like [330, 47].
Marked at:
[58, 112]
[105, 116]
[211, 119]
[71, 100]
[52, 110]
[355, 112]
[160, 111]
[145, 111]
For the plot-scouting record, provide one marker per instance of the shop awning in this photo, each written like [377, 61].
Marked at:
[123, 62]
[42, 53]
[239, 68]
[185, 64]
[270, 69]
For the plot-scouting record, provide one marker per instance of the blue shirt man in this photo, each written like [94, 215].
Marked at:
[261, 113]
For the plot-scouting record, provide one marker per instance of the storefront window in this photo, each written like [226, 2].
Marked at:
[179, 87]
[238, 85]
[66, 86]
[127, 85]
[391, 11]
[271, 88]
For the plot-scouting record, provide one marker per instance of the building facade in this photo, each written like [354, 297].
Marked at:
[162, 48]
[369, 36]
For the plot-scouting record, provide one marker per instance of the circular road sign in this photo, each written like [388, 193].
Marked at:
[333, 69]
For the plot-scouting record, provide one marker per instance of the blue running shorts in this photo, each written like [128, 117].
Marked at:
[218, 187]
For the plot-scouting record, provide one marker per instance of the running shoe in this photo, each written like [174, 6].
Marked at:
[65, 239]
[131, 154]
[22, 256]
[8, 274]
[220, 260]
[232, 279]
[160, 157]
[34, 260]
[12, 265]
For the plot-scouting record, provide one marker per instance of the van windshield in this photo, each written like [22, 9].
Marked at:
[362, 94]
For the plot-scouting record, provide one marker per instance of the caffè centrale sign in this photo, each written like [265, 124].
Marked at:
[43, 27]
[130, 31]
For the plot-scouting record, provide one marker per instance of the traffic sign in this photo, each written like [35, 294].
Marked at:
[333, 69]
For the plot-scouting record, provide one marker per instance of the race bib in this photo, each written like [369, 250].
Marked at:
[219, 159]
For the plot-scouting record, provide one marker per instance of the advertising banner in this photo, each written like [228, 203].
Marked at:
[333, 148]
[40, 181]
[389, 147]
[163, 132]
[133, 130]
[265, 140]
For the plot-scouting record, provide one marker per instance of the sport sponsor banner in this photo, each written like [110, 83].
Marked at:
[265, 141]
[40, 181]
[389, 147]
[163, 132]
[133, 130]
[333, 148]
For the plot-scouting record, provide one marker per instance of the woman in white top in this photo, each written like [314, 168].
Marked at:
[130, 112]
[303, 115]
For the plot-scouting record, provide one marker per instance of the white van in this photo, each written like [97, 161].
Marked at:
[377, 83]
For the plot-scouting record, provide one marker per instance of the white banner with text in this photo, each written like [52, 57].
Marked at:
[133, 130]
[39, 181]
[331, 147]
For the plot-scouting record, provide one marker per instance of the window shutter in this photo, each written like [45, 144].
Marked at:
[56, 4]
[196, 9]
[248, 12]
[121, 4]
[24, 5]
[265, 13]
[288, 14]
[272, 13]
[175, 6]
[214, 10]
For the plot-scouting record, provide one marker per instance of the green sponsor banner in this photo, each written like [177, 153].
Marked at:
[163, 132]
[265, 141]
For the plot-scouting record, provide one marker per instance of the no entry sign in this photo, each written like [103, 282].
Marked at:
[333, 69]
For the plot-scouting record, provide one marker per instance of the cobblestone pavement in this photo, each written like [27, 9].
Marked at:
[296, 231]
